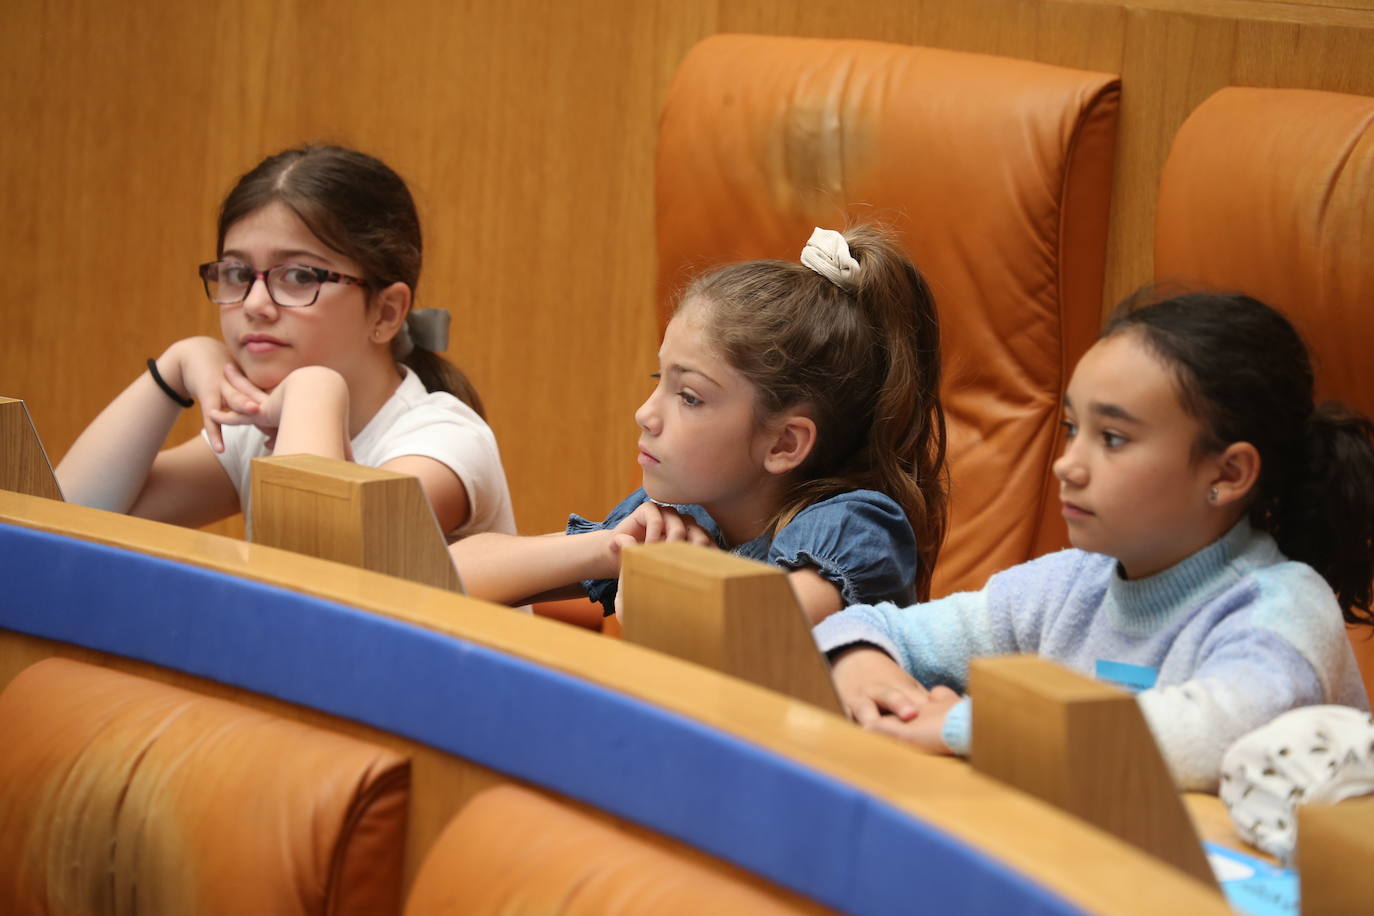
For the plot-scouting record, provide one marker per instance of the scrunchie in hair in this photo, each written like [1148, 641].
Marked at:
[827, 253]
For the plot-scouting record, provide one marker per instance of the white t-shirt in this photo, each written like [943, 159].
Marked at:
[413, 421]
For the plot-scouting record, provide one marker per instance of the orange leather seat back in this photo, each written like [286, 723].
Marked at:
[512, 850]
[996, 176]
[121, 794]
[1271, 192]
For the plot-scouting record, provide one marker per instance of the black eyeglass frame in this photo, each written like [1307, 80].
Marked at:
[322, 276]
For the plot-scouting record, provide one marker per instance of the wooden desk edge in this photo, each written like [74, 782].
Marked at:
[944, 793]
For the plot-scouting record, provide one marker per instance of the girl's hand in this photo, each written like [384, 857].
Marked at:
[879, 695]
[241, 403]
[926, 731]
[651, 523]
[197, 363]
[871, 685]
[241, 398]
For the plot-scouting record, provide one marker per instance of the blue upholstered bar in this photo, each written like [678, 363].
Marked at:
[760, 810]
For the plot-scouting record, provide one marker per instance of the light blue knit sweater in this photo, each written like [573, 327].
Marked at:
[1237, 632]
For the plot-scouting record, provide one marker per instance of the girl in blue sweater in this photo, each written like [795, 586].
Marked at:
[1223, 527]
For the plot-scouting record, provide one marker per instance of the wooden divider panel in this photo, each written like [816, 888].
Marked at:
[24, 466]
[734, 615]
[1332, 841]
[348, 513]
[1084, 747]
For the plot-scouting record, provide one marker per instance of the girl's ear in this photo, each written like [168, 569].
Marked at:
[1238, 470]
[391, 305]
[791, 444]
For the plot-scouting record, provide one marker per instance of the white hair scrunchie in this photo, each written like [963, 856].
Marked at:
[423, 328]
[827, 253]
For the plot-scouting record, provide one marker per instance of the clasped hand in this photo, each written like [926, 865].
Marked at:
[878, 694]
[241, 403]
[227, 397]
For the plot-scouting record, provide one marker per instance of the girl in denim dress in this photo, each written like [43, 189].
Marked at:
[796, 420]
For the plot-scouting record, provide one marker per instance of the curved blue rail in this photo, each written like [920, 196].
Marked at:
[771, 815]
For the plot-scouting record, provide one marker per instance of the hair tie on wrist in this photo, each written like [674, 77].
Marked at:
[166, 388]
[827, 253]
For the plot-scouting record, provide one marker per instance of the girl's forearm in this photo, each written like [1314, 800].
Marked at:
[509, 569]
[108, 464]
[314, 414]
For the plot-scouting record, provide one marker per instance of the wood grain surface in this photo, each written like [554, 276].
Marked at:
[526, 130]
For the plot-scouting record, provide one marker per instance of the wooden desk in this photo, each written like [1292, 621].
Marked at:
[883, 779]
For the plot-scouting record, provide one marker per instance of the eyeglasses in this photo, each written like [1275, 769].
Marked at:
[288, 285]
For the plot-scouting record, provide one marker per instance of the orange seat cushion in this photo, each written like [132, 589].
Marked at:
[122, 794]
[512, 850]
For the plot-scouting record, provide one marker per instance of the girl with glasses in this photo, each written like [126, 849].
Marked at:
[318, 259]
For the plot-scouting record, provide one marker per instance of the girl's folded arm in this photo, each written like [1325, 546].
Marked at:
[112, 462]
[933, 641]
[443, 488]
[187, 486]
[108, 463]
[511, 569]
[310, 411]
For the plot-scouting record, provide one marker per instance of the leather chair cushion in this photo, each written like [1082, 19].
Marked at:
[122, 794]
[995, 174]
[512, 850]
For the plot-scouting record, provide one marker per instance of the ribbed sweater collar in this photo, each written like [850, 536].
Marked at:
[1143, 605]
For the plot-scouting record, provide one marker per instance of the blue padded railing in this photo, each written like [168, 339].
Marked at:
[763, 811]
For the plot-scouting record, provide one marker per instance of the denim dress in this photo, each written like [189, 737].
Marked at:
[860, 542]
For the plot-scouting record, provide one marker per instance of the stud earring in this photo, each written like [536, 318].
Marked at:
[1212, 495]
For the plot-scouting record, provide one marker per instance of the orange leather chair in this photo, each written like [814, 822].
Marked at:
[121, 794]
[996, 176]
[512, 850]
[1271, 192]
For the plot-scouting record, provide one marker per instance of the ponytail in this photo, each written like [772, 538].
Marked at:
[905, 453]
[1324, 515]
[438, 374]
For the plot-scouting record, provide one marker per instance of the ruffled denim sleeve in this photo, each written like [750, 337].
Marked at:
[602, 591]
[860, 542]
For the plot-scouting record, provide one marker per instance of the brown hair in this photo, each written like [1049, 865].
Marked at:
[359, 207]
[866, 362]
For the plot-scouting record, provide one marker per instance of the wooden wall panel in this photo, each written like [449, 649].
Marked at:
[527, 131]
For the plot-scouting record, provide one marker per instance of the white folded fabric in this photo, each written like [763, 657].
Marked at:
[1316, 754]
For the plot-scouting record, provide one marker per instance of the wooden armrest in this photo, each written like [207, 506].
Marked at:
[1332, 842]
[348, 513]
[737, 616]
[1082, 746]
[24, 465]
